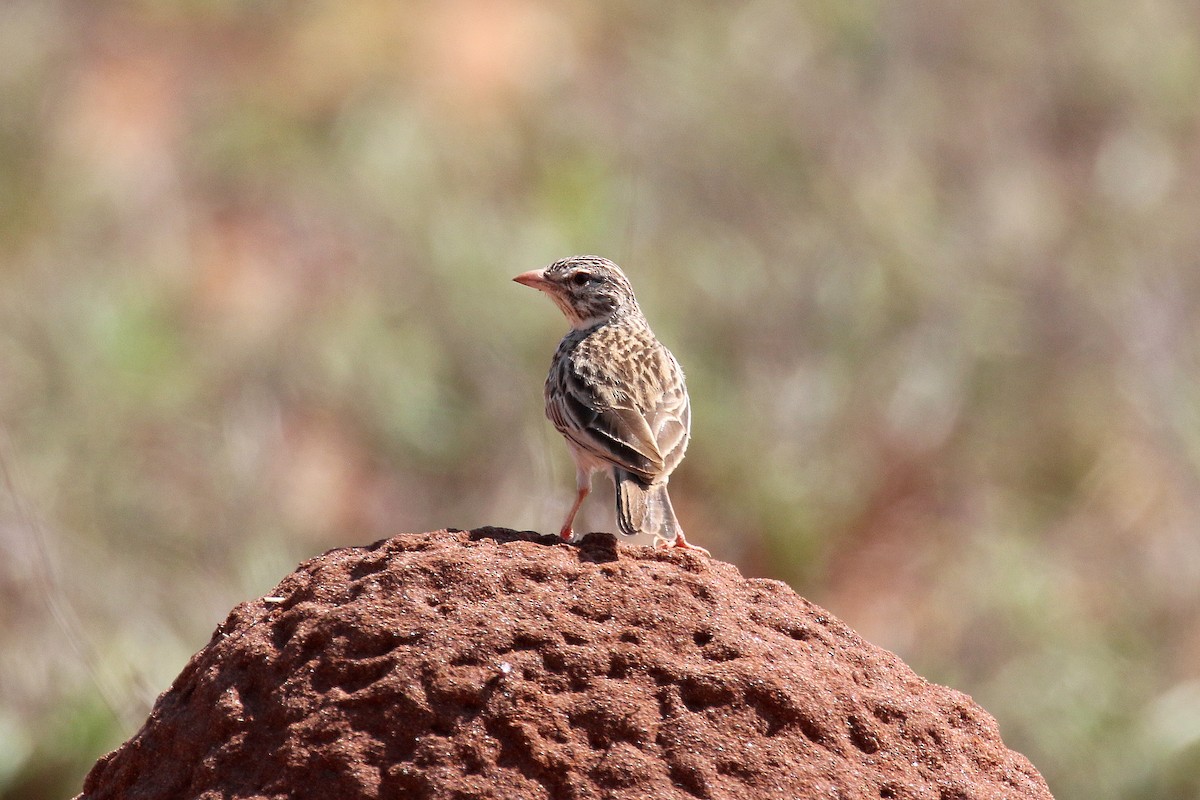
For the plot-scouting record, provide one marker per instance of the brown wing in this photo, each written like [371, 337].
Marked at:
[596, 421]
[640, 425]
[671, 420]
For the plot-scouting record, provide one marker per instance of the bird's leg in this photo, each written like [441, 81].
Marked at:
[584, 480]
[684, 544]
[680, 540]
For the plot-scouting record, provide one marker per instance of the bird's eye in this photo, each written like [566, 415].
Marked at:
[581, 278]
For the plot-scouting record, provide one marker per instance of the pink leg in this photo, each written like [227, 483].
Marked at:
[684, 545]
[566, 534]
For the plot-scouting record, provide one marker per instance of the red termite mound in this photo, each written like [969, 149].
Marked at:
[499, 664]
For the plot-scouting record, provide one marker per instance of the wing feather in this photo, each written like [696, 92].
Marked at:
[644, 435]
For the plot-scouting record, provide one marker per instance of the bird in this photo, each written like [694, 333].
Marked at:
[617, 396]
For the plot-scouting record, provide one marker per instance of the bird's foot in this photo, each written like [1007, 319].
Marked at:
[567, 535]
[684, 544]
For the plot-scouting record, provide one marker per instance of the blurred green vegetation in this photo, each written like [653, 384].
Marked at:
[932, 269]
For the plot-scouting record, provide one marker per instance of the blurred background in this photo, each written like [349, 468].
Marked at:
[933, 270]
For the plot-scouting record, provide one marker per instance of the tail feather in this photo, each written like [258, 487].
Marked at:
[644, 508]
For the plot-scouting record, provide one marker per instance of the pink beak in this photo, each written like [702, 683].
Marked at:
[535, 278]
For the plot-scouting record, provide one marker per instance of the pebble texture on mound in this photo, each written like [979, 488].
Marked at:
[498, 664]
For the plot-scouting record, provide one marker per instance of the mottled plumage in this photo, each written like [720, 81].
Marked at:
[616, 394]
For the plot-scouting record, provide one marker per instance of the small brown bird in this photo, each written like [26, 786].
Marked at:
[617, 396]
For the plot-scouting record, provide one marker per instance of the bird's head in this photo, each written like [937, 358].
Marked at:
[589, 289]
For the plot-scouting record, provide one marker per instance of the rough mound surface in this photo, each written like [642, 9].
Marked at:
[498, 664]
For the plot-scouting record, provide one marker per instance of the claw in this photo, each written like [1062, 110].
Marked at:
[684, 544]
